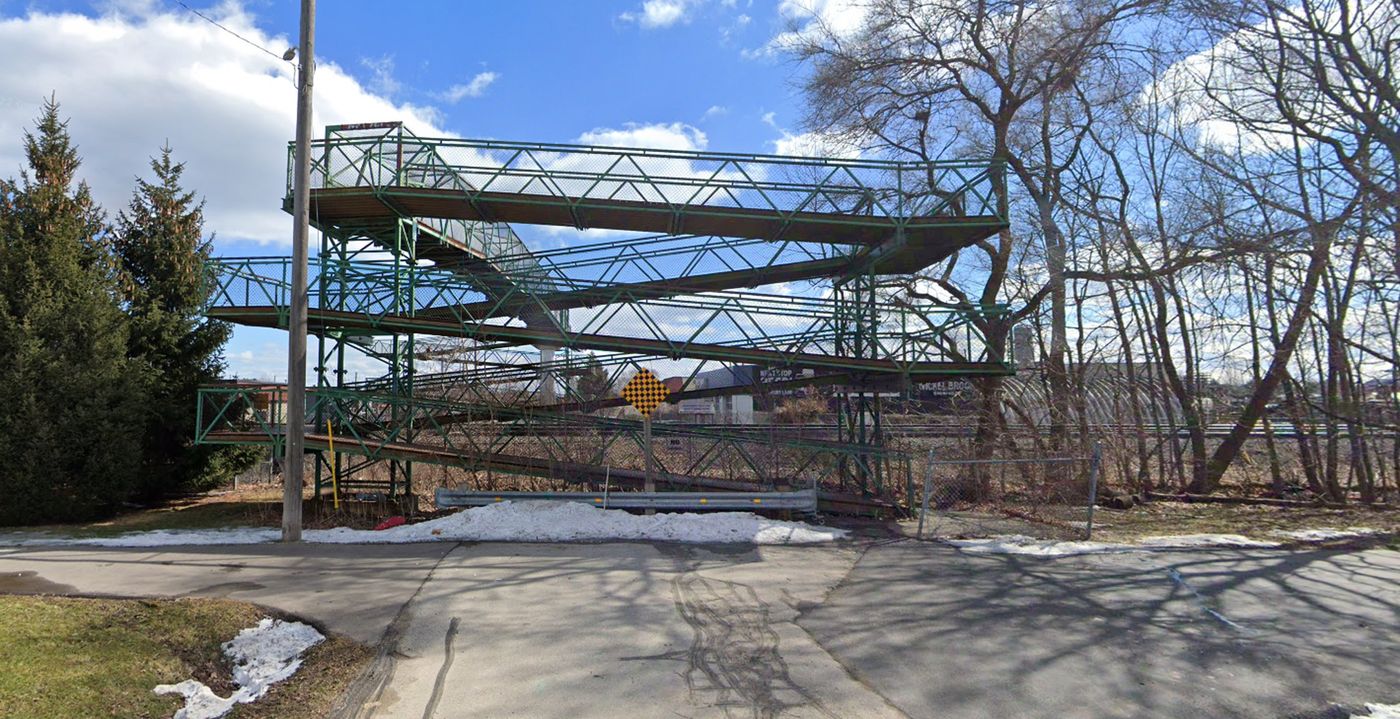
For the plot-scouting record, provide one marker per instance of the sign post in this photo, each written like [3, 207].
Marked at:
[645, 392]
[650, 485]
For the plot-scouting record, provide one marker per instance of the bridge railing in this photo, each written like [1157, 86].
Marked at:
[820, 329]
[670, 257]
[904, 193]
[377, 154]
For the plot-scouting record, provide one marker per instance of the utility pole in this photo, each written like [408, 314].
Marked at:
[296, 325]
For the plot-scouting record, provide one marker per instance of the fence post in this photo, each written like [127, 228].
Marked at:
[909, 481]
[1093, 489]
[928, 488]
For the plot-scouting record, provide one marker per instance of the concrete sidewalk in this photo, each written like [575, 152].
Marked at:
[617, 630]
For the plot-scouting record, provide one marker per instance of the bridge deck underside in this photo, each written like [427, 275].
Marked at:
[381, 229]
[587, 296]
[928, 238]
[271, 316]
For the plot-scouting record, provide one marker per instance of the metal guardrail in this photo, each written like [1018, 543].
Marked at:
[804, 500]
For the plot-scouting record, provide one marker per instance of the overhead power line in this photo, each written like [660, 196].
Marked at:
[216, 24]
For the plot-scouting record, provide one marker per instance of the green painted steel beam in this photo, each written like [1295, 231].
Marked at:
[731, 325]
[387, 323]
[735, 195]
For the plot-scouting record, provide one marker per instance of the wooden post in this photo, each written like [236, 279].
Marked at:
[296, 325]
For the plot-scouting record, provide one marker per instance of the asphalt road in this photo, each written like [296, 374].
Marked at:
[868, 629]
[1219, 633]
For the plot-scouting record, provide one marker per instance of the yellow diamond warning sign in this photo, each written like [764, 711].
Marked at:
[645, 392]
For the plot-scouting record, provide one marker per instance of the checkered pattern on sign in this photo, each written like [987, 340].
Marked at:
[645, 392]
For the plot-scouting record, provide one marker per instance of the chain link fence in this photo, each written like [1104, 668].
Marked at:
[1047, 497]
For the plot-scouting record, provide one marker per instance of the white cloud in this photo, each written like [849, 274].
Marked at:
[662, 136]
[728, 32]
[714, 111]
[382, 78]
[814, 144]
[808, 18]
[591, 234]
[660, 13]
[674, 136]
[473, 88]
[809, 144]
[130, 81]
[1209, 91]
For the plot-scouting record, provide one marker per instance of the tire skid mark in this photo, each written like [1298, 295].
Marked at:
[448, 654]
[734, 662]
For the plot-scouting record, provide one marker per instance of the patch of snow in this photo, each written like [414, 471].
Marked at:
[1189, 541]
[1019, 544]
[1379, 711]
[554, 521]
[167, 537]
[1323, 534]
[512, 521]
[262, 656]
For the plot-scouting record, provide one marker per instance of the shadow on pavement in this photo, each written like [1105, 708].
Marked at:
[1233, 634]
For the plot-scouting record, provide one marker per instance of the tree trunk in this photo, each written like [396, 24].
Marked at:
[1278, 367]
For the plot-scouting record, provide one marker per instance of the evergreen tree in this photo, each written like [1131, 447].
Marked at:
[593, 382]
[70, 398]
[163, 257]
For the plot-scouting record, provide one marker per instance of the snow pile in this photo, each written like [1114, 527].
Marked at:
[520, 521]
[554, 521]
[261, 656]
[1019, 544]
[1325, 534]
[1379, 711]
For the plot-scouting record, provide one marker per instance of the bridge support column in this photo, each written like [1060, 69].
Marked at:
[549, 391]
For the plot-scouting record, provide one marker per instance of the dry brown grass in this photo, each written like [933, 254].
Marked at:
[1260, 522]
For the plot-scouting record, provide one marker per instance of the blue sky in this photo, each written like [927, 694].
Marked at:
[567, 67]
[134, 74]
[563, 68]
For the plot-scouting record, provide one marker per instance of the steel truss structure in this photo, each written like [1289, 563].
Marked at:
[769, 267]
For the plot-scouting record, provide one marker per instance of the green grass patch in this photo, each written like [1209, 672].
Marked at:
[77, 657]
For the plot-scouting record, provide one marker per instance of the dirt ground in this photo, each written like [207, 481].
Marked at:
[1165, 517]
